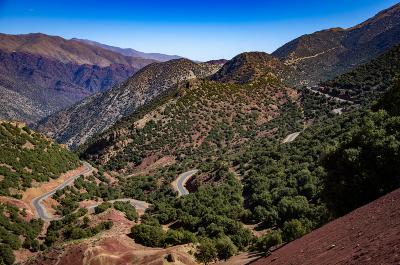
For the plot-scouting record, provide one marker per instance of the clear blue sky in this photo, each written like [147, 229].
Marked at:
[199, 30]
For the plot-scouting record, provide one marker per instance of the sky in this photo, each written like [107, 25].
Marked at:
[199, 30]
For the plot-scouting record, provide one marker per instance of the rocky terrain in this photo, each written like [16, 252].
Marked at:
[328, 53]
[74, 125]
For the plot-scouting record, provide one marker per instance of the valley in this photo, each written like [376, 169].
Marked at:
[116, 156]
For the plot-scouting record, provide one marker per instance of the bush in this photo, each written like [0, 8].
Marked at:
[292, 230]
[6, 255]
[102, 207]
[150, 236]
[225, 248]
[206, 251]
[269, 240]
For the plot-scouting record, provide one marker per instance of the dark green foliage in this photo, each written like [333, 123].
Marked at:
[27, 156]
[85, 188]
[369, 81]
[147, 235]
[390, 101]
[206, 251]
[178, 237]
[225, 248]
[102, 207]
[127, 208]
[268, 240]
[73, 226]
[292, 230]
[6, 255]
[12, 228]
[365, 165]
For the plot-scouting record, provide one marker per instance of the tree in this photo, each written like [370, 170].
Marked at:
[292, 230]
[6, 255]
[225, 248]
[150, 236]
[206, 251]
[269, 240]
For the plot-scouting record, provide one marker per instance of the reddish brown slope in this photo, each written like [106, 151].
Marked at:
[368, 235]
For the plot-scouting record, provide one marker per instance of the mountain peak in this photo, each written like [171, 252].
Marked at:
[247, 66]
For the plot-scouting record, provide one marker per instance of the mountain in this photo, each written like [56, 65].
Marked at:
[74, 125]
[66, 51]
[200, 113]
[367, 82]
[131, 52]
[47, 73]
[248, 66]
[325, 54]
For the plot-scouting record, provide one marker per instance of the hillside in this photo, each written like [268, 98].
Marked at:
[205, 115]
[367, 82]
[131, 52]
[74, 125]
[368, 235]
[328, 53]
[27, 156]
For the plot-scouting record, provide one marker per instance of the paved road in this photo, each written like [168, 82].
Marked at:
[37, 202]
[291, 137]
[179, 183]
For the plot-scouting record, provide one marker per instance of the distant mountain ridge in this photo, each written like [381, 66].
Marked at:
[47, 73]
[131, 52]
[325, 54]
[66, 51]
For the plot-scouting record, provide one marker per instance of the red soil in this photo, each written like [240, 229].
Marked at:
[368, 235]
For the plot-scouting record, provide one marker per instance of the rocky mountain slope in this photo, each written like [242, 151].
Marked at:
[131, 52]
[45, 73]
[97, 113]
[328, 53]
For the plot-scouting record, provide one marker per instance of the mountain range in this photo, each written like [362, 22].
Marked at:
[131, 52]
[58, 72]
[325, 54]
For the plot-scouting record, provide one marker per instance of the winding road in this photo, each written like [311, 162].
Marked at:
[180, 182]
[37, 202]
